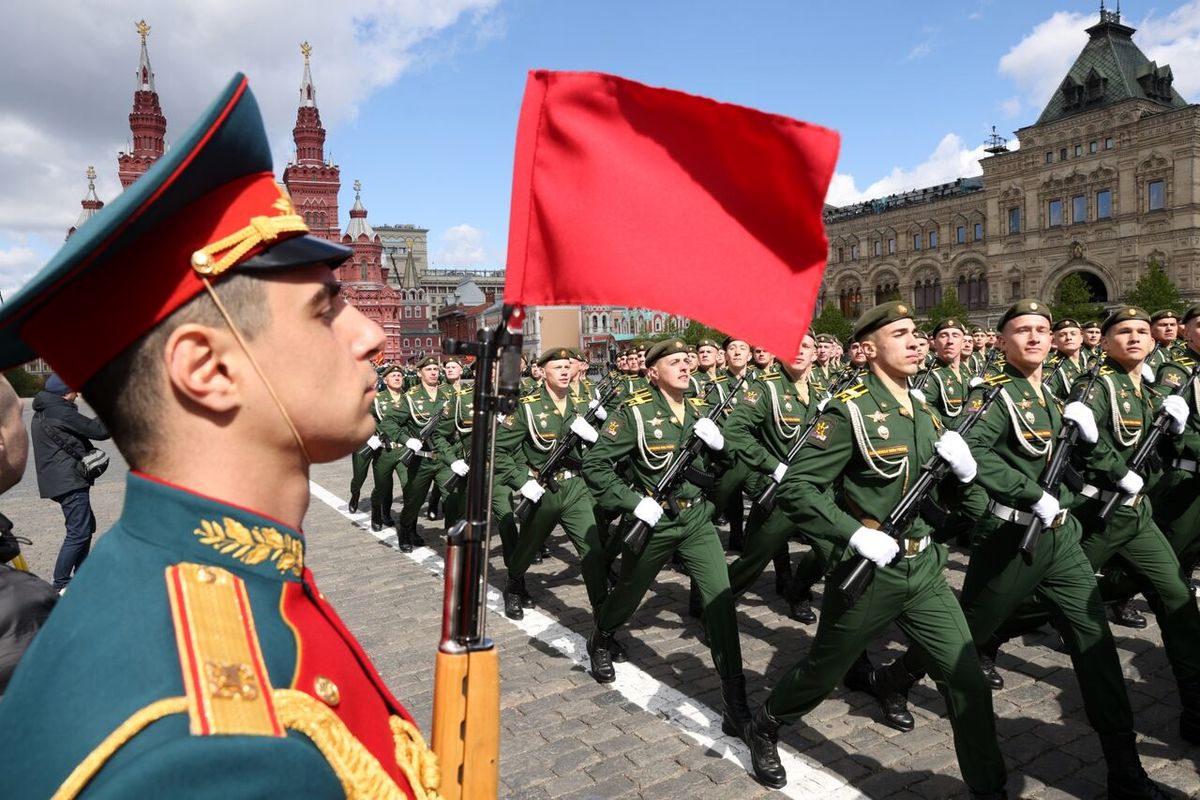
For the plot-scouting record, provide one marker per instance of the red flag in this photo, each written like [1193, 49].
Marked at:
[625, 194]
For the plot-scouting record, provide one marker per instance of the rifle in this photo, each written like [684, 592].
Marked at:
[562, 450]
[1052, 476]
[1059, 360]
[466, 689]
[909, 506]
[1157, 428]
[425, 434]
[987, 363]
[923, 378]
[639, 533]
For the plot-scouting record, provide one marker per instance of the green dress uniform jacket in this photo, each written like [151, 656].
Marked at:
[452, 442]
[1177, 495]
[403, 421]
[1060, 377]
[947, 390]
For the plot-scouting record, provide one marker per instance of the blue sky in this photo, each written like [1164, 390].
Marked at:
[421, 98]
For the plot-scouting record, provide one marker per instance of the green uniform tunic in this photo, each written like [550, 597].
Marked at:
[946, 391]
[359, 462]
[876, 448]
[727, 494]
[452, 442]
[1012, 444]
[524, 440]
[402, 422]
[1177, 495]
[645, 434]
[1062, 376]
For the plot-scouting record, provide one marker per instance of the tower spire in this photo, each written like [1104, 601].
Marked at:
[145, 75]
[146, 120]
[311, 178]
[91, 203]
[308, 92]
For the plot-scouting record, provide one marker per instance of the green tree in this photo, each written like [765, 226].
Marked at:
[1076, 301]
[24, 383]
[831, 321]
[1154, 291]
[695, 331]
[950, 307]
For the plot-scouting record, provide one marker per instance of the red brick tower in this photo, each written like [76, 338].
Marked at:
[146, 121]
[362, 280]
[91, 204]
[311, 179]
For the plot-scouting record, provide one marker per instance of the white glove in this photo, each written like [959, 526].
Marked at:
[1132, 483]
[1082, 416]
[779, 471]
[874, 545]
[584, 430]
[532, 490]
[414, 445]
[460, 468]
[648, 511]
[954, 450]
[1046, 508]
[917, 395]
[1177, 407]
[601, 414]
[1147, 373]
[709, 433]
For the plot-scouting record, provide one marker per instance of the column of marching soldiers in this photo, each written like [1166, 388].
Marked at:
[1063, 457]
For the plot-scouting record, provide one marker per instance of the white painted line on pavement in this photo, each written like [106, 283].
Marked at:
[806, 777]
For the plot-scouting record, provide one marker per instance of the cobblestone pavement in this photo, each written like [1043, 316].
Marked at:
[655, 733]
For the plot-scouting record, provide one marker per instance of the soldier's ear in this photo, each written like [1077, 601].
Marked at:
[206, 366]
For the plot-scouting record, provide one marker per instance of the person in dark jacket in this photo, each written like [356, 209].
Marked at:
[61, 437]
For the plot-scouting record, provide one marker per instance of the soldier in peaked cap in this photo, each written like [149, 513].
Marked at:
[364, 458]
[1164, 327]
[238, 678]
[948, 384]
[1091, 341]
[1069, 363]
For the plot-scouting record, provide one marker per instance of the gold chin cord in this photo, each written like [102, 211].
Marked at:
[237, 334]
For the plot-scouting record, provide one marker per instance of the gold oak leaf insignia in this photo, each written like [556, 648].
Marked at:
[253, 545]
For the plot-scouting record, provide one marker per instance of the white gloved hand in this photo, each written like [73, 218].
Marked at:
[1083, 417]
[1046, 508]
[1177, 407]
[584, 430]
[460, 468]
[1147, 373]
[414, 445]
[532, 490]
[601, 414]
[777, 475]
[917, 395]
[709, 433]
[874, 545]
[648, 511]
[954, 450]
[1132, 483]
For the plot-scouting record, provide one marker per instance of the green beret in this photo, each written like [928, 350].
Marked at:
[1024, 307]
[667, 347]
[875, 318]
[708, 343]
[826, 338]
[1166, 313]
[1124, 314]
[577, 354]
[1062, 324]
[389, 369]
[693, 350]
[643, 345]
[1091, 323]
[976, 330]
[949, 322]
[553, 354]
[920, 334]
[730, 340]
[427, 361]
[1193, 311]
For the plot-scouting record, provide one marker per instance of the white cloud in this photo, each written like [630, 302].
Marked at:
[18, 263]
[65, 98]
[1039, 61]
[1175, 40]
[462, 246]
[920, 50]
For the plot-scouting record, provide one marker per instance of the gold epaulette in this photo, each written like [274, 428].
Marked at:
[640, 397]
[1106, 370]
[531, 398]
[771, 376]
[997, 379]
[853, 393]
[720, 379]
[698, 402]
[1185, 361]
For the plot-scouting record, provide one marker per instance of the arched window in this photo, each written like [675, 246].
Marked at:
[429, 342]
[363, 273]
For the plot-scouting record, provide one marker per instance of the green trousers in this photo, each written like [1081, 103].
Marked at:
[914, 594]
[1176, 499]
[767, 537]
[691, 534]
[359, 466]
[385, 469]
[1062, 579]
[419, 477]
[454, 502]
[727, 499]
[571, 507]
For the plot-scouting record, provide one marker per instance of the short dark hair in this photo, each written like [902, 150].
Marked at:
[127, 393]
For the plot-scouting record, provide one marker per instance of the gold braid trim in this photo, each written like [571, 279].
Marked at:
[359, 772]
[261, 230]
[87, 769]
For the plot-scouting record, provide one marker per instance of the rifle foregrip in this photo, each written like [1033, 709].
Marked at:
[405, 457]
[636, 537]
[766, 500]
[1029, 540]
[857, 581]
[523, 508]
[466, 723]
[1110, 506]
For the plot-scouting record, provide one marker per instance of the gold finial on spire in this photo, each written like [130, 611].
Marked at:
[91, 173]
[143, 29]
[357, 187]
[306, 49]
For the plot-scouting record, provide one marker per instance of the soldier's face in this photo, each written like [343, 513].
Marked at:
[558, 373]
[1026, 341]
[1091, 336]
[1191, 332]
[922, 347]
[762, 358]
[395, 380]
[948, 343]
[1165, 330]
[968, 346]
[707, 356]
[737, 354]
[1128, 343]
[892, 350]
[1068, 340]
[453, 371]
[804, 358]
[980, 340]
[429, 375]
[991, 339]
[693, 359]
[671, 372]
[822, 352]
[857, 357]
[537, 372]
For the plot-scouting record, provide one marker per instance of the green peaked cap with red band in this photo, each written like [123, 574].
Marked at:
[208, 208]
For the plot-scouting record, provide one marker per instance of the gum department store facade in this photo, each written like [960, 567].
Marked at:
[1105, 182]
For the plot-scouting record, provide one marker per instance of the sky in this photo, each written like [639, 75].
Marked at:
[420, 97]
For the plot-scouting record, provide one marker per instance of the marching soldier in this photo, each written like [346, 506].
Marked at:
[451, 446]
[876, 437]
[364, 458]
[980, 349]
[524, 440]
[948, 383]
[706, 361]
[1012, 444]
[825, 364]
[238, 679]
[647, 433]
[1091, 341]
[1164, 327]
[1070, 363]
[727, 494]
[762, 361]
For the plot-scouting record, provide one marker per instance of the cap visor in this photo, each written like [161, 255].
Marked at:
[296, 252]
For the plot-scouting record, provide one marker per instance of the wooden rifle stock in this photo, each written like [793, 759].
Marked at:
[909, 506]
[1052, 476]
[639, 533]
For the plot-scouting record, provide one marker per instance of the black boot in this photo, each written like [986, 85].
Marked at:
[799, 599]
[526, 597]
[783, 572]
[858, 677]
[405, 541]
[1189, 721]
[735, 711]
[619, 656]
[762, 736]
[736, 542]
[599, 650]
[376, 518]
[413, 536]
[988, 663]
[388, 522]
[1126, 778]
[352, 504]
[1123, 613]
[512, 598]
[695, 602]
[890, 684]
[543, 553]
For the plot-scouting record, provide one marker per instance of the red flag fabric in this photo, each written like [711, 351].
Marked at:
[626, 194]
